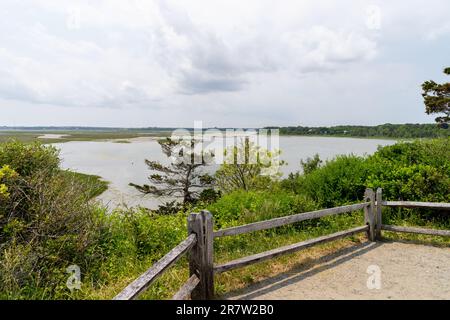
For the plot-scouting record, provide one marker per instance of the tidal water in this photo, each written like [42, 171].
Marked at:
[122, 163]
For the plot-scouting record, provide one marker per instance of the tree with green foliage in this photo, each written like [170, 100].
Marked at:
[311, 164]
[183, 177]
[248, 167]
[437, 99]
[407, 130]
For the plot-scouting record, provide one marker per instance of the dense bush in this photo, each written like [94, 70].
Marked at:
[418, 171]
[6, 173]
[49, 222]
[339, 181]
[27, 159]
[310, 164]
[415, 171]
[46, 222]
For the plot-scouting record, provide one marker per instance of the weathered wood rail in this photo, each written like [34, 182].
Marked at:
[199, 243]
[282, 221]
[409, 204]
[242, 262]
[134, 289]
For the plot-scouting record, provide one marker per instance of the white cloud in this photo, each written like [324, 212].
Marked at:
[201, 55]
[87, 63]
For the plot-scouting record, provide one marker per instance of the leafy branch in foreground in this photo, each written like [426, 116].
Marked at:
[5, 173]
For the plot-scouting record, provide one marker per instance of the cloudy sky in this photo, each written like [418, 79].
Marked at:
[227, 63]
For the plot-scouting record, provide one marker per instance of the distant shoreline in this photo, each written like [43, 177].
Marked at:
[49, 134]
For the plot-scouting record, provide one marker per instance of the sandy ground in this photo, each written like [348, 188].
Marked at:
[407, 271]
[52, 136]
[139, 139]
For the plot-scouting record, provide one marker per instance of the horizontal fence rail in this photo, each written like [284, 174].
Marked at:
[415, 204]
[185, 291]
[408, 204]
[242, 262]
[278, 222]
[201, 237]
[134, 289]
[431, 232]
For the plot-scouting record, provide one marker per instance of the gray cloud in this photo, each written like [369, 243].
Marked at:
[297, 62]
[86, 62]
[206, 83]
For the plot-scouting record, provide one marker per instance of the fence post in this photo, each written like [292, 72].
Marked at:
[369, 213]
[201, 256]
[379, 220]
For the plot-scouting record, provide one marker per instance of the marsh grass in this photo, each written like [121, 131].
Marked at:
[115, 135]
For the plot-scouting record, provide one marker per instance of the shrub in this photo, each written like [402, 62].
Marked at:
[26, 159]
[339, 181]
[311, 164]
[46, 223]
[418, 171]
[5, 173]
[415, 171]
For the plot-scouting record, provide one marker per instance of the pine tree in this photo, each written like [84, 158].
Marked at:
[437, 99]
[184, 179]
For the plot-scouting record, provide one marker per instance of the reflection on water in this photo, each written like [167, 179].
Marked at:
[122, 163]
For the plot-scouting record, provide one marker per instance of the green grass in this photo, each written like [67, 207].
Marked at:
[422, 218]
[95, 184]
[230, 248]
[119, 136]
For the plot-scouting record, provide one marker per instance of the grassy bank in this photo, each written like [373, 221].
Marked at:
[95, 184]
[385, 131]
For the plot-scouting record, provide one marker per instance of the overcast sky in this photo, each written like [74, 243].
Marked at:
[227, 63]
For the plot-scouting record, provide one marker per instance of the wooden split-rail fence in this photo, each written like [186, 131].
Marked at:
[199, 243]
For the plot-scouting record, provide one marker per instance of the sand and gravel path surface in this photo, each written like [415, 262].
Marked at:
[407, 271]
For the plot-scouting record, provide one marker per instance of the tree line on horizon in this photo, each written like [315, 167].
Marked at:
[407, 130]
[436, 98]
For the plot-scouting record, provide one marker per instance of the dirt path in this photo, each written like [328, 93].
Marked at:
[408, 271]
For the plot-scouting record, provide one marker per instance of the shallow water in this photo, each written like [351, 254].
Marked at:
[122, 163]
